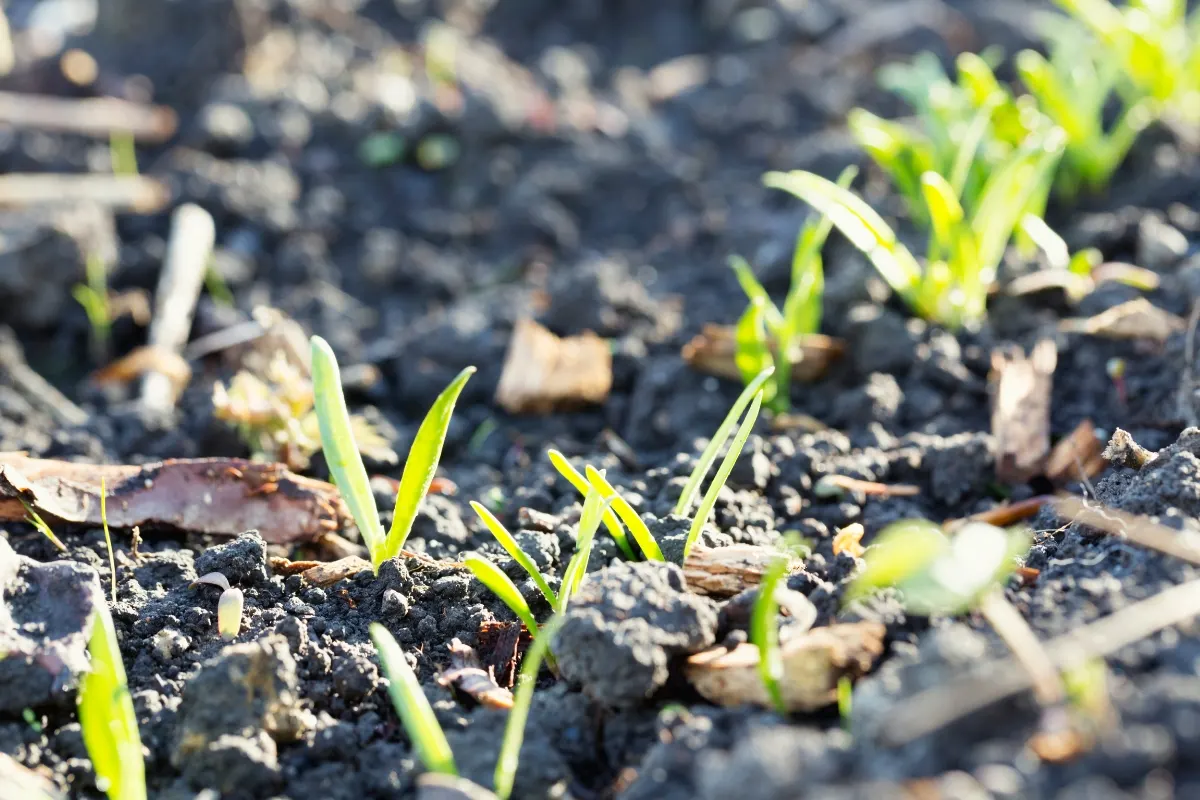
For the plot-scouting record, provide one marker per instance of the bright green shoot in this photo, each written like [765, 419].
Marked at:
[714, 488]
[93, 296]
[515, 552]
[713, 449]
[107, 716]
[122, 153]
[514, 729]
[37, 522]
[346, 465]
[594, 507]
[764, 632]
[766, 336]
[502, 586]
[964, 254]
[637, 527]
[112, 562]
[412, 705]
[611, 522]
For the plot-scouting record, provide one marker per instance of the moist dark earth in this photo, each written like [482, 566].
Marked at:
[597, 166]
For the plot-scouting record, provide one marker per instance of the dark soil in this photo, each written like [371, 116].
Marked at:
[594, 188]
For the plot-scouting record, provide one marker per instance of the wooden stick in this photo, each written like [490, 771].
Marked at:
[95, 116]
[134, 192]
[192, 237]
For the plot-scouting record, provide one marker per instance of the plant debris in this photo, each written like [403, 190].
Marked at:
[1183, 544]
[1076, 457]
[813, 664]
[466, 674]
[220, 496]
[543, 372]
[714, 350]
[837, 485]
[143, 360]
[848, 540]
[725, 571]
[1136, 320]
[1021, 389]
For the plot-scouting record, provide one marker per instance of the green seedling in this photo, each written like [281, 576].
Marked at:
[346, 465]
[502, 586]
[229, 605]
[764, 632]
[416, 714]
[582, 486]
[766, 336]
[709, 455]
[107, 717]
[217, 287]
[112, 562]
[845, 701]
[518, 716]
[122, 153]
[594, 507]
[93, 296]
[35, 519]
[637, 527]
[951, 286]
[714, 488]
[515, 552]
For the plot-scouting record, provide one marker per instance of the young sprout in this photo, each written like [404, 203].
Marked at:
[93, 296]
[107, 717]
[412, 705]
[710, 452]
[37, 522]
[502, 586]
[766, 336]
[594, 507]
[518, 555]
[583, 487]
[346, 465]
[112, 562]
[714, 488]
[845, 701]
[637, 528]
[229, 606]
[514, 729]
[764, 633]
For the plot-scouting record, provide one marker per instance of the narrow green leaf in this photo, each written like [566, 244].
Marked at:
[416, 714]
[112, 563]
[589, 520]
[580, 483]
[971, 142]
[107, 716]
[37, 522]
[753, 289]
[637, 528]
[710, 497]
[500, 585]
[515, 552]
[709, 455]
[421, 465]
[518, 716]
[858, 222]
[764, 633]
[341, 451]
[1058, 256]
[752, 353]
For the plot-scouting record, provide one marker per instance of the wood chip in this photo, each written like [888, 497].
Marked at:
[1184, 545]
[286, 567]
[543, 372]
[137, 193]
[725, 571]
[98, 117]
[712, 351]
[467, 675]
[1021, 389]
[1077, 457]
[327, 574]
[1136, 319]
[219, 496]
[813, 663]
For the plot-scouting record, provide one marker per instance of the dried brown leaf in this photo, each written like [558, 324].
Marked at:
[543, 372]
[327, 574]
[1077, 456]
[712, 351]
[1021, 410]
[466, 674]
[142, 360]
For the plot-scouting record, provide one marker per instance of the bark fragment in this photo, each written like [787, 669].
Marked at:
[725, 571]
[713, 350]
[1021, 389]
[543, 372]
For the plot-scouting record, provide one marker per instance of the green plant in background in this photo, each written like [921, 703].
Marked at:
[766, 336]
[122, 153]
[764, 632]
[107, 717]
[964, 253]
[346, 465]
[93, 296]
[416, 714]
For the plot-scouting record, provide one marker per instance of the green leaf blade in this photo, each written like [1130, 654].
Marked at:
[637, 527]
[582, 486]
[502, 586]
[764, 633]
[514, 550]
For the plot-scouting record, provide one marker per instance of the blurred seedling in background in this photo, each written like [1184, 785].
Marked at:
[93, 296]
[229, 605]
[420, 722]
[345, 462]
[940, 575]
[276, 418]
[107, 718]
[766, 336]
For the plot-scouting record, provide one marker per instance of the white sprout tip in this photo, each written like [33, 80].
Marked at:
[212, 578]
[229, 614]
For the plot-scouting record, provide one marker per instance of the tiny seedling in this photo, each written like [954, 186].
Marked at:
[582, 486]
[112, 562]
[594, 507]
[707, 456]
[845, 701]
[718, 481]
[412, 705]
[764, 632]
[93, 296]
[951, 287]
[35, 519]
[107, 717]
[767, 336]
[229, 606]
[514, 550]
[518, 716]
[346, 464]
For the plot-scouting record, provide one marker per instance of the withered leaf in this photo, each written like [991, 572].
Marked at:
[466, 674]
[726, 571]
[543, 372]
